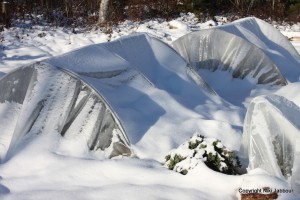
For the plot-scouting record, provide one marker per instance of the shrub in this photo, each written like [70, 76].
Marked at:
[200, 149]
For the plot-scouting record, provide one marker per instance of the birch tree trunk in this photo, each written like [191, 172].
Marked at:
[103, 12]
[67, 7]
[273, 4]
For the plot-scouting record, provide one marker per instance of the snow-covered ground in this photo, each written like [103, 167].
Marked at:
[19, 46]
[38, 172]
[296, 45]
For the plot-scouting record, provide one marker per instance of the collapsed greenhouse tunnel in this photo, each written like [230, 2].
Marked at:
[34, 95]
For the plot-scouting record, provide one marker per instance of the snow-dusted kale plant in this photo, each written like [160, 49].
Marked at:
[200, 149]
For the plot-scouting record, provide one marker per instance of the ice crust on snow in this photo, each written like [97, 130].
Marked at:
[271, 137]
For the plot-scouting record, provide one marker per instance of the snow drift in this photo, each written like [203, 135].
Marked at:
[271, 138]
[215, 49]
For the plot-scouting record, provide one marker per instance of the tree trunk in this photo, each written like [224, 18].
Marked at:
[67, 7]
[3, 8]
[103, 12]
[273, 5]
[5, 16]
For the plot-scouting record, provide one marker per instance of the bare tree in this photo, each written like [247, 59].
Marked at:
[68, 7]
[103, 12]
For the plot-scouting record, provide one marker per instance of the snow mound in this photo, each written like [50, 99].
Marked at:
[271, 139]
[175, 24]
[276, 46]
[206, 25]
[42, 99]
[215, 49]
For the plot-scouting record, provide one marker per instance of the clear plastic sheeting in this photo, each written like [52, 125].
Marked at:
[106, 97]
[267, 38]
[271, 138]
[150, 57]
[137, 65]
[46, 100]
[215, 49]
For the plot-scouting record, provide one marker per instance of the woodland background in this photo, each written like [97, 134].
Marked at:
[80, 13]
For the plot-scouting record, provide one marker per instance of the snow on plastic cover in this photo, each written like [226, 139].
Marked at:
[152, 58]
[218, 50]
[127, 72]
[271, 138]
[121, 74]
[267, 38]
[42, 99]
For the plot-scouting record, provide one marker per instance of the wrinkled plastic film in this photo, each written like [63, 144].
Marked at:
[51, 100]
[215, 49]
[271, 138]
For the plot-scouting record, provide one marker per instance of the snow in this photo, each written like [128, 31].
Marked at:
[196, 151]
[271, 137]
[269, 40]
[296, 45]
[41, 112]
[164, 116]
[230, 53]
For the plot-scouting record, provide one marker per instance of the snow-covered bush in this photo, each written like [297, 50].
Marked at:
[200, 149]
